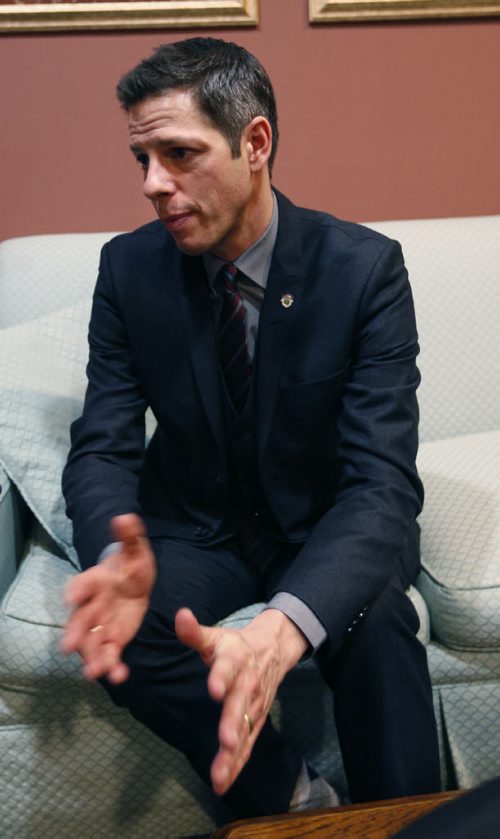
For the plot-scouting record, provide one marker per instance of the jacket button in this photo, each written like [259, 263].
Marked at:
[200, 531]
[357, 619]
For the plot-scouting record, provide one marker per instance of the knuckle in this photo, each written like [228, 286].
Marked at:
[254, 681]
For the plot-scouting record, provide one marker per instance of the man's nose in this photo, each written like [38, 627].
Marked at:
[157, 181]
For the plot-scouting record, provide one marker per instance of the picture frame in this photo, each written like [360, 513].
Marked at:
[78, 15]
[349, 11]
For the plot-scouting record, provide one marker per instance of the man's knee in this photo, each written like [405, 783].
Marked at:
[157, 663]
[386, 629]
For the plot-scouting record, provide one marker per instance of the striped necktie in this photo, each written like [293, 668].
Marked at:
[232, 338]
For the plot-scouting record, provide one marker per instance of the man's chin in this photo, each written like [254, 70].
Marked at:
[184, 244]
[189, 248]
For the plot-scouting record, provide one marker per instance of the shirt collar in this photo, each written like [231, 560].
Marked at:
[255, 261]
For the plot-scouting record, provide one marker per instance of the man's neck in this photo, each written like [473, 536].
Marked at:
[255, 220]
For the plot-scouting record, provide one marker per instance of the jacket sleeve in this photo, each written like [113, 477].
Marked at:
[100, 479]
[369, 530]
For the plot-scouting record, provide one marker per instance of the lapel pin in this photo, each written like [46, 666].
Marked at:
[287, 301]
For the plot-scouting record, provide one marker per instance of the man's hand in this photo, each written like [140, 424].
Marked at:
[109, 602]
[246, 667]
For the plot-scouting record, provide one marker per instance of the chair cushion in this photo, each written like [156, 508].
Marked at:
[32, 614]
[65, 749]
[42, 369]
[460, 524]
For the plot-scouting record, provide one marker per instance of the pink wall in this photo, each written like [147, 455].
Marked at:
[378, 121]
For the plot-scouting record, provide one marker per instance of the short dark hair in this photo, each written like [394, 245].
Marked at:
[229, 84]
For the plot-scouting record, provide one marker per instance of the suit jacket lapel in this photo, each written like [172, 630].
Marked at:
[280, 309]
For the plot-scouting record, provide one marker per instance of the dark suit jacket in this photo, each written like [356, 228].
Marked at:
[336, 407]
[475, 815]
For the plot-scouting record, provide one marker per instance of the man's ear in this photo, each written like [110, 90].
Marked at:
[257, 141]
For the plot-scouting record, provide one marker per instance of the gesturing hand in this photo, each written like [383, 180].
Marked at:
[109, 602]
[246, 667]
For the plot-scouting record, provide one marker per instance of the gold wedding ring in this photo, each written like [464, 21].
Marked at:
[96, 628]
[248, 719]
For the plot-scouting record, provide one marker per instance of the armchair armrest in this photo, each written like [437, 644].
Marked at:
[13, 516]
[460, 578]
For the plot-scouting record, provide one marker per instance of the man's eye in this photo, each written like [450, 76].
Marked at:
[142, 160]
[179, 153]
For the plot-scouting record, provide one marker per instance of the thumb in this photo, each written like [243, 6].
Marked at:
[192, 633]
[128, 529]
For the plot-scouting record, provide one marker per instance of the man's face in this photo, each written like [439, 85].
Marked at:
[203, 195]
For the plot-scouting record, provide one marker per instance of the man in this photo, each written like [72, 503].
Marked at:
[276, 348]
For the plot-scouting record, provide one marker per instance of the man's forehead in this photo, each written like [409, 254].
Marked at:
[177, 105]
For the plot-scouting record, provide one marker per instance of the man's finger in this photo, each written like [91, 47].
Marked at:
[243, 698]
[230, 661]
[222, 677]
[80, 625]
[103, 660]
[118, 674]
[82, 587]
[232, 657]
[228, 764]
[240, 724]
[192, 633]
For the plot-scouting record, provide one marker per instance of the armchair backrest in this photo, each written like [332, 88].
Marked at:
[454, 267]
[39, 274]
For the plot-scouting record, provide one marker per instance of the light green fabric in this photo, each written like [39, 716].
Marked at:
[73, 765]
[41, 274]
[461, 539]
[94, 775]
[469, 717]
[454, 270]
[66, 752]
[42, 370]
[452, 667]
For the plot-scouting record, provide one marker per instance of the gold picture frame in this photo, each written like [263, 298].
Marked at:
[125, 14]
[348, 11]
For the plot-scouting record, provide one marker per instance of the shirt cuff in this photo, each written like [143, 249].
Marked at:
[295, 609]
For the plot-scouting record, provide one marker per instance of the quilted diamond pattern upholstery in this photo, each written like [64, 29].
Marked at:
[31, 271]
[65, 751]
[454, 269]
[472, 738]
[96, 777]
[461, 539]
[42, 370]
[63, 742]
[452, 667]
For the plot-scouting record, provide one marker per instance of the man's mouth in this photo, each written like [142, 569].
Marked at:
[174, 221]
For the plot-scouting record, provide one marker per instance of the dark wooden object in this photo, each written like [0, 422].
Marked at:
[376, 820]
